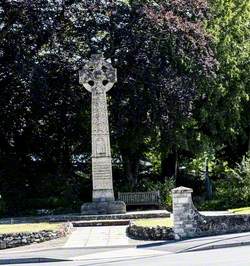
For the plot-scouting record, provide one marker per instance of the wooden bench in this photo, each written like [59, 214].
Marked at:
[140, 198]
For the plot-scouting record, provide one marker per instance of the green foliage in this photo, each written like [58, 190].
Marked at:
[161, 52]
[198, 164]
[2, 207]
[222, 111]
[217, 168]
[226, 196]
[164, 188]
[182, 96]
[234, 191]
[242, 174]
[153, 154]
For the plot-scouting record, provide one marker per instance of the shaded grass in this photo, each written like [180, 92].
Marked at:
[33, 227]
[245, 210]
[154, 222]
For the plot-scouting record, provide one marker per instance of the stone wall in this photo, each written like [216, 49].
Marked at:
[150, 233]
[26, 238]
[188, 222]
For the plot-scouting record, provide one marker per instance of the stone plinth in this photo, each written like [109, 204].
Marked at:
[104, 207]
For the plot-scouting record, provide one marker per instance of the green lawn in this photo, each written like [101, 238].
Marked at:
[154, 222]
[245, 210]
[33, 227]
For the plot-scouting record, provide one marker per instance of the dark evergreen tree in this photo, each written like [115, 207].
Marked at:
[162, 54]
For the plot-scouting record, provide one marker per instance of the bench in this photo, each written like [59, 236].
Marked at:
[140, 198]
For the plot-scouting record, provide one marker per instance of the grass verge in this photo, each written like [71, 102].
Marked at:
[154, 222]
[33, 227]
[245, 210]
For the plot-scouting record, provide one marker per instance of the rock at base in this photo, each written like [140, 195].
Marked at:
[105, 207]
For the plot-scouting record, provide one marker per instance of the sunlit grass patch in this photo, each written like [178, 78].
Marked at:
[32, 227]
[245, 210]
[154, 222]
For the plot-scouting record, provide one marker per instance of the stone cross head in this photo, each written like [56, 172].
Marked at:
[98, 74]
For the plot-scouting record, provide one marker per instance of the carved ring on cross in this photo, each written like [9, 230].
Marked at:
[98, 74]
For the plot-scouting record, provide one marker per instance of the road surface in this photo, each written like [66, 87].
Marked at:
[150, 256]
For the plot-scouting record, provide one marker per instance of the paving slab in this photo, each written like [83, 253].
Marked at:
[97, 237]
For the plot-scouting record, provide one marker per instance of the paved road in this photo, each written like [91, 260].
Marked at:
[229, 257]
[237, 256]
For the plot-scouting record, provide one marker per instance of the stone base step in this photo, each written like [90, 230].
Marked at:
[79, 217]
[100, 223]
[103, 208]
[124, 216]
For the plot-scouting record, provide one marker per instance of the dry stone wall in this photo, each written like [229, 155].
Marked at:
[26, 238]
[188, 222]
[150, 233]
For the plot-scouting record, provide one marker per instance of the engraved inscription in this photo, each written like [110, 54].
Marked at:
[102, 169]
[102, 184]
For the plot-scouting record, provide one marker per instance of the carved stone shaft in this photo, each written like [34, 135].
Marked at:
[101, 155]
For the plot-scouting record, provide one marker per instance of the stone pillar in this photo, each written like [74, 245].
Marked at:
[183, 213]
[98, 76]
[188, 222]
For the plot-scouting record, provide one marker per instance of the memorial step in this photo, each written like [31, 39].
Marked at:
[78, 217]
[100, 223]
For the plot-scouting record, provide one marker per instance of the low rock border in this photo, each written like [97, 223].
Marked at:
[150, 233]
[12, 240]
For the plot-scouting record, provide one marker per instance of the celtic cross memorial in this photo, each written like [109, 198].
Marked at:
[98, 76]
